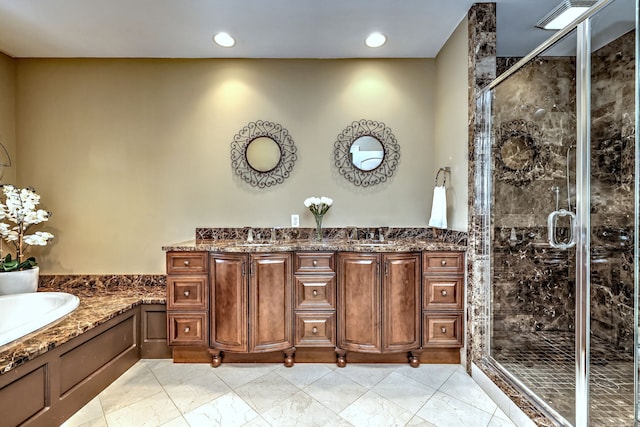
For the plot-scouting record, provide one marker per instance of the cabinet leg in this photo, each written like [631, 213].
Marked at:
[342, 357]
[288, 357]
[216, 357]
[414, 359]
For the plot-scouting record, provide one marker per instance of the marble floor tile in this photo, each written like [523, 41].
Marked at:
[227, 410]
[403, 391]
[432, 375]
[367, 375]
[462, 387]
[304, 373]
[197, 391]
[302, 410]
[152, 411]
[445, 411]
[171, 374]
[374, 410]
[237, 375]
[91, 414]
[335, 391]
[136, 384]
[266, 391]
[161, 393]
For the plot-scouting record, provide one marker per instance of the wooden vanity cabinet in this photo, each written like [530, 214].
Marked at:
[251, 304]
[442, 299]
[187, 298]
[378, 303]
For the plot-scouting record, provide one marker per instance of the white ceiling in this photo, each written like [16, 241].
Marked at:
[262, 28]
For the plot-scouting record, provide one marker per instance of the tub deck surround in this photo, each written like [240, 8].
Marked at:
[101, 298]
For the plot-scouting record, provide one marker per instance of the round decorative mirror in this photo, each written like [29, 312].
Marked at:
[263, 154]
[366, 153]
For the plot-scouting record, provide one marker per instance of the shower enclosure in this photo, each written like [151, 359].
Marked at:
[558, 184]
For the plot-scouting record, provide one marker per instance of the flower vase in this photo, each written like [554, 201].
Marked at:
[318, 235]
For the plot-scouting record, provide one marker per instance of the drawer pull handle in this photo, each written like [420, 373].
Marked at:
[314, 330]
[186, 262]
[443, 330]
[315, 292]
[315, 263]
[443, 262]
[187, 329]
[444, 293]
[186, 293]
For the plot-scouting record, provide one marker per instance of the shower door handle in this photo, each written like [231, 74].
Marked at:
[552, 222]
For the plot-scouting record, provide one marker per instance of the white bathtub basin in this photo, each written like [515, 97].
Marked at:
[21, 314]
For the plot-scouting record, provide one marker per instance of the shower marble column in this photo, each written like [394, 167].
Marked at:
[482, 70]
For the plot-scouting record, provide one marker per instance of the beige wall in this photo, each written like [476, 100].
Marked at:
[451, 131]
[130, 155]
[7, 117]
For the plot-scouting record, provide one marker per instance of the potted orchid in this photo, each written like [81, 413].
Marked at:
[318, 207]
[19, 210]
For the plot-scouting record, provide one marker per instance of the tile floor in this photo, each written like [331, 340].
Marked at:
[161, 393]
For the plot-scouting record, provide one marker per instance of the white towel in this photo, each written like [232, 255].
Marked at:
[439, 208]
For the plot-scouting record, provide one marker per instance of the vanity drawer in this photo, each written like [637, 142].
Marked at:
[441, 262]
[188, 328]
[187, 292]
[315, 329]
[186, 262]
[441, 292]
[315, 292]
[441, 330]
[314, 262]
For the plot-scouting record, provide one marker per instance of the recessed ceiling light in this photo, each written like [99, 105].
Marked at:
[375, 40]
[564, 13]
[224, 40]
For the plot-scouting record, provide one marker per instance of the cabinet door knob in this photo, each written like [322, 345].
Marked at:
[314, 330]
[186, 293]
[444, 293]
[186, 262]
[443, 330]
[314, 262]
[187, 329]
[443, 262]
[315, 292]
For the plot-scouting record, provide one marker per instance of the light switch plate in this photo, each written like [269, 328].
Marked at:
[295, 220]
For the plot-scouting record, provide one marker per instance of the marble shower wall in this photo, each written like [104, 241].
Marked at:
[535, 126]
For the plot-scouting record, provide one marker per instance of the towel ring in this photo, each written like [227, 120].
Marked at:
[444, 175]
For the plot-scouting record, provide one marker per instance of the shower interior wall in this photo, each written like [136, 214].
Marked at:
[533, 285]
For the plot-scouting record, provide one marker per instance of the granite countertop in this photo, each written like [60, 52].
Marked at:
[101, 298]
[342, 245]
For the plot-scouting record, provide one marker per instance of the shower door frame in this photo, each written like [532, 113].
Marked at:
[582, 228]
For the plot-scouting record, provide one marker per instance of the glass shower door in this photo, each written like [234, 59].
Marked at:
[533, 281]
[613, 211]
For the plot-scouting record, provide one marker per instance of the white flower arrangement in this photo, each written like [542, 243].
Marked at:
[318, 207]
[19, 207]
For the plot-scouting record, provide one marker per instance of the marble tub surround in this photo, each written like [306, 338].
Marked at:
[101, 299]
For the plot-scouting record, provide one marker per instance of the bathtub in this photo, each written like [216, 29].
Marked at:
[21, 314]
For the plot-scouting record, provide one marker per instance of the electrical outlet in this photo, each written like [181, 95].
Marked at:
[295, 220]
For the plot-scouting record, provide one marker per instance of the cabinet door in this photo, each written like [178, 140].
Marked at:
[401, 302]
[229, 302]
[359, 302]
[270, 302]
